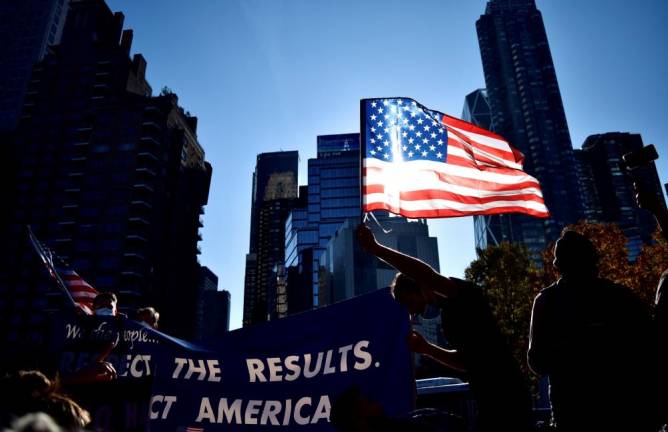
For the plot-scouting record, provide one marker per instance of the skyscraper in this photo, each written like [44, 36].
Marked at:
[273, 196]
[333, 197]
[215, 307]
[111, 178]
[347, 271]
[607, 191]
[27, 29]
[526, 108]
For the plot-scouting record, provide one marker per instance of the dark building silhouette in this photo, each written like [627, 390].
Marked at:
[108, 176]
[300, 238]
[333, 197]
[27, 29]
[274, 195]
[526, 108]
[215, 307]
[607, 192]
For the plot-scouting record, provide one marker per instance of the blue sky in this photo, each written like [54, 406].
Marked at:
[265, 75]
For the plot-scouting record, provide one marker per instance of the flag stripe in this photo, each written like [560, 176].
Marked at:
[494, 158]
[489, 174]
[453, 194]
[447, 212]
[467, 127]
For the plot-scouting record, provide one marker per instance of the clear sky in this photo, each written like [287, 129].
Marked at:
[266, 75]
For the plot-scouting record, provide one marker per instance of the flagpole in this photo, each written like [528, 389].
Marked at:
[49, 263]
[362, 147]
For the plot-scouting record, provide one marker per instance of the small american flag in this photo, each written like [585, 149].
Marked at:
[421, 163]
[80, 292]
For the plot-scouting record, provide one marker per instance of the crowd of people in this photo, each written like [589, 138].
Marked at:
[32, 402]
[595, 341]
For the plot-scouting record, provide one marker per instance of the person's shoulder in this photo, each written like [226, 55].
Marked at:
[548, 291]
[462, 282]
[615, 288]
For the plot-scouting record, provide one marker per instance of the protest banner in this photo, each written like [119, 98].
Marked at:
[286, 374]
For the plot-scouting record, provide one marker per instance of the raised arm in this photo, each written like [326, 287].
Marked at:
[450, 358]
[648, 201]
[414, 268]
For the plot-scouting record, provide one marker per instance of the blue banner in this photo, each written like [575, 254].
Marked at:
[287, 374]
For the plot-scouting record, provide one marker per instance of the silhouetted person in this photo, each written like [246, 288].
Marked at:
[149, 316]
[590, 336]
[651, 203]
[105, 304]
[494, 376]
[354, 412]
[30, 392]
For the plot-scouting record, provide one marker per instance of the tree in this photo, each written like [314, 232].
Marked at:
[652, 261]
[610, 243]
[510, 280]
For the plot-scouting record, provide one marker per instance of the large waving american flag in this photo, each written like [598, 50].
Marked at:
[76, 289]
[421, 163]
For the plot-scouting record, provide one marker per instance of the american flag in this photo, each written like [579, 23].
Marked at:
[80, 292]
[421, 163]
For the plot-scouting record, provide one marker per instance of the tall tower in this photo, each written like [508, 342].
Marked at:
[526, 108]
[273, 196]
[28, 27]
[608, 193]
[110, 177]
[333, 197]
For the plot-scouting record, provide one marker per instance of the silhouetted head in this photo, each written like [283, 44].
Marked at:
[105, 303]
[148, 315]
[407, 292]
[575, 255]
[354, 412]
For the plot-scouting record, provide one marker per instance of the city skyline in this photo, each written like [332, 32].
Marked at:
[264, 77]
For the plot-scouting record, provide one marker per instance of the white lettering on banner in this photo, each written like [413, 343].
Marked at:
[270, 412]
[209, 369]
[258, 412]
[362, 355]
[160, 399]
[73, 331]
[135, 370]
[293, 367]
[106, 333]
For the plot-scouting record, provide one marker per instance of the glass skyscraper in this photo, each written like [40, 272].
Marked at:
[526, 108]
[607, 192]
[333, 197]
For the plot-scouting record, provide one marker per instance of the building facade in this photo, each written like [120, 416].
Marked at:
[215, 307]
[111, 178]
[27, 29]
[526, 109]
[333, 196]
[274, 195]
[607, 191]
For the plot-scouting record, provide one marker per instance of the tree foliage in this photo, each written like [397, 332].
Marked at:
[510, 280]
[649, 265]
